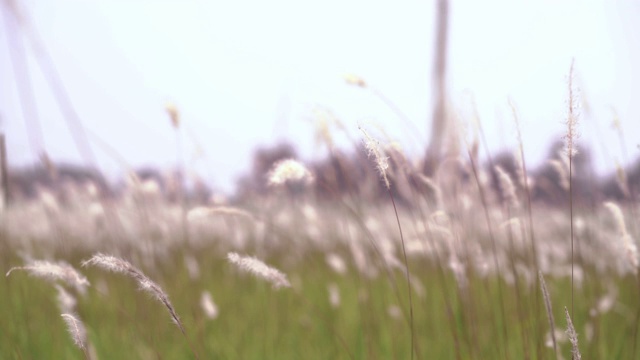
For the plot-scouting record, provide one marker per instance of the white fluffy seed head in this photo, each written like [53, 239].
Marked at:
[208, 306]
[616, 212]
[374, 149]
[289, 171]
[206, 212]
[259, 269]
[336, 263]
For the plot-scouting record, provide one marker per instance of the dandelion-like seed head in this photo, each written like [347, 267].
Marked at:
[289, 171]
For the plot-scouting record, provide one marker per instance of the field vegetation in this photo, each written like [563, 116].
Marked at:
[368, 254]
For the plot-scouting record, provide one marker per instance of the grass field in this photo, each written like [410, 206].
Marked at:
[475, 292]
[397, 266]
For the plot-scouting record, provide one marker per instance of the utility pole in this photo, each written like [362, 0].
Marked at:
[439, 119]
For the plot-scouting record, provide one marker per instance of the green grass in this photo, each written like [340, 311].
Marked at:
[257, 322]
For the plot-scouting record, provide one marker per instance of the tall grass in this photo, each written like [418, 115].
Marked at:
[473, 243]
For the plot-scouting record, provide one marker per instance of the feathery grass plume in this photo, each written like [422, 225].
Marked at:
[289, 171]
[630, 248]
[203, 212]
[208, 306]
[355, 80]
[259, 269]
[616, 212]
[76, 330]
[60, 271]
[507, 188]
[547, 305]
[117, 265]
[573, 104]
[174, 115]
[573, 336]
[382, 161]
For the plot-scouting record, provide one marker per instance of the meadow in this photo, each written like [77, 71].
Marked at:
[462, 263]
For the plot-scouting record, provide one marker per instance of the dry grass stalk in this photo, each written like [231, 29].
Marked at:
[259, 269]
[573, 336]
[547, 305]
[117, 265]
[60, 271]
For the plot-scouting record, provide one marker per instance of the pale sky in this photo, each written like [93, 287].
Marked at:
[250, 73]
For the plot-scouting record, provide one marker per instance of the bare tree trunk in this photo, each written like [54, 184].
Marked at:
[439, 115]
